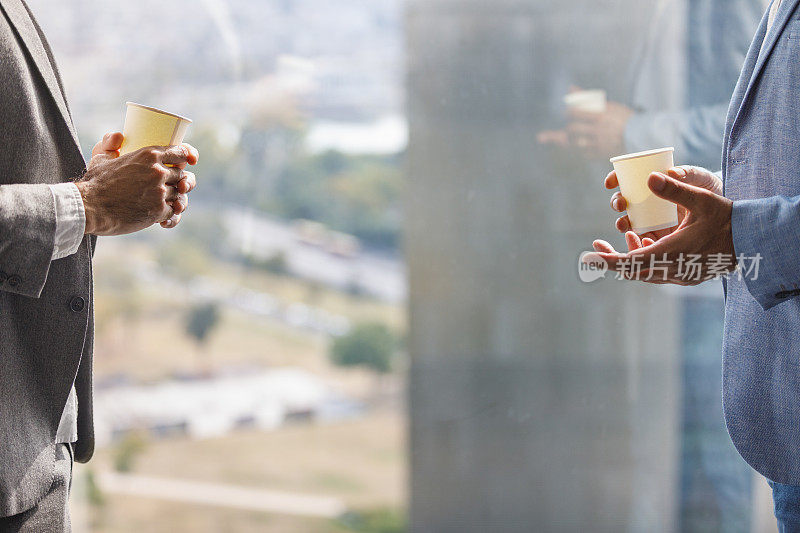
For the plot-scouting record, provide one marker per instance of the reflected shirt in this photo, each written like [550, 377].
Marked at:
[682, 81]
[773, 12]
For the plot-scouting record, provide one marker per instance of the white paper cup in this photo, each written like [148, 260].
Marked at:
[148, 126]
[646, 211]
[593, 101]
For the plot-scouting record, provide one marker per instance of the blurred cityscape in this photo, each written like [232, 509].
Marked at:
[255, 354]
[360, 158]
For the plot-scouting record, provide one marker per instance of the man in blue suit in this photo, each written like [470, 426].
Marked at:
[750, 219]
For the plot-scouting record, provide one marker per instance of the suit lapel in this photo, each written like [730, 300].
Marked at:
[781, 20]
[748, 69]
[20, 18]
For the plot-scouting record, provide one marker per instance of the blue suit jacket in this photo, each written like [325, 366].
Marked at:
[761, 168]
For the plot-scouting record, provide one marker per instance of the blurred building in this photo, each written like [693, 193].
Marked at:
[538, 403]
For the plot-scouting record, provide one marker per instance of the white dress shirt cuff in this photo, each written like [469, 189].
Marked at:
[70, 219]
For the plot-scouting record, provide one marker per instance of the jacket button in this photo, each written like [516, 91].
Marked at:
[13, 281]
[77, 304]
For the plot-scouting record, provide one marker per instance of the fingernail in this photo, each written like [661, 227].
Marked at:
[680, 172]
[657, 181]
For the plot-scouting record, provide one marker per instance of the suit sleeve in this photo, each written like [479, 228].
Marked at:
[27, 237]
[769, 228]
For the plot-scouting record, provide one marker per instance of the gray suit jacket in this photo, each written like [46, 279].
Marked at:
[46, 325]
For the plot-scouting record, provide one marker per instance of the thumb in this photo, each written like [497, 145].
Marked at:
[112, 141]
[675, 191]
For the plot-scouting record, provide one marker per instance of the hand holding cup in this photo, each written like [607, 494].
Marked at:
[125, 194]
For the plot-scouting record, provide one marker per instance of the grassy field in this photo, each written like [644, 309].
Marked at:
[141, 334]
[360, 461]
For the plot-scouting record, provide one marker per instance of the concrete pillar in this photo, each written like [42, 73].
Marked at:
[538, 403]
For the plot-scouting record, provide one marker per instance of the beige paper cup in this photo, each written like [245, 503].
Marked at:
[148, 126]
[593, 101]
[646, 211]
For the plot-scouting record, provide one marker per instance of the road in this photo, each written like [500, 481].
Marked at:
[379, 276]
[217, 494]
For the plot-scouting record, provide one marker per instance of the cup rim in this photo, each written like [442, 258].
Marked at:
[570, 98]
[646, 153]
[161, 111]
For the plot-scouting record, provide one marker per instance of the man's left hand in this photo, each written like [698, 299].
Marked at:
[699, 249]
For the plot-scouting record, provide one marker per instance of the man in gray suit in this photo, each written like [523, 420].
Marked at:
[52, 208]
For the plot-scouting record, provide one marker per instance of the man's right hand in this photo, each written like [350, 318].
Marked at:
[696, 176]
[129, 193]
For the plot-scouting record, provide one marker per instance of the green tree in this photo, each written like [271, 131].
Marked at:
[128, 451]
[370, 345]
[275, 264]
[201, 320]
[359, 195]
[374, 521]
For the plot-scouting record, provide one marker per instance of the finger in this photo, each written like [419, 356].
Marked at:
[675, 191]
[172, 194]
[166, 211]
[97, 149]
[194, 154]
[672, 245]
[623, 224]
[112, 142]
[612, 259]
[647, 241]
[187, 183]
[172, 175]
[692, 175]
[180, 203]
[611, 180]
[633, 241]
[618, 202]
[171, 222]
[177, 156]
[603, 246]
[678, 173]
